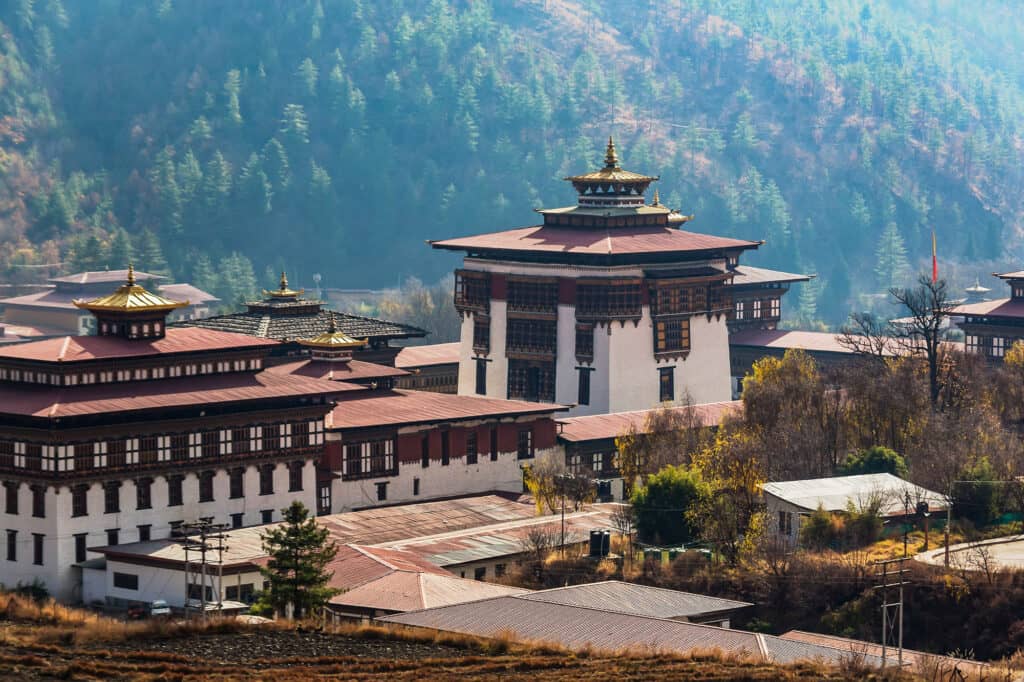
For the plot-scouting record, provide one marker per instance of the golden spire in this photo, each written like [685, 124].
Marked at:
[657, 201]
[130, 296]
[333, 339]
[283, 291]
[284, 281]
[611, 159]
[332, 328]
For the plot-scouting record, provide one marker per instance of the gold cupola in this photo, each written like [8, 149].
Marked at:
[333, 345]
[611, 186]
[132, 311]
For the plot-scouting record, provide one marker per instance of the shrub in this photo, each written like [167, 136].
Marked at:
[874, 460]
[821, 530]
[663, 504]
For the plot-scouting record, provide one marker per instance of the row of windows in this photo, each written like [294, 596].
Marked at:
[992, 346]
[472, 290]
[159, 448]
[144, 491]
[770, 308]
[536, 337]
[596, 462]
[37, 547]
[137, 374]
[612, 299]
[369, 458]
[534, 295]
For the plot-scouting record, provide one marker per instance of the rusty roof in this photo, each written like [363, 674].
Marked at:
[785, 339]
[400, 406]
[33, 400]
[577, 627]
[620, 241]
[1000, 307]
[84, 348]
[602, 426]
[352, 370]
[363, 527]
[639, 600]
[433, 354]
[460, 546]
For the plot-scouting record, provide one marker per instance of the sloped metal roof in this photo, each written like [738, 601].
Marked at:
[835, 493]
[639, 600]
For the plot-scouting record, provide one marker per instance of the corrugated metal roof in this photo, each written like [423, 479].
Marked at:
[598, 242]
[785, 339]
[835, 493]
[402, 591]
[365, 527]
[576, 627]
[602, 426]
[65, 401]
[103, 277]
[425, 356]
[177, 340]
[410, 407]
[1019, 274]
[639, 600]
[919, 660]
[1001, 307]
[748, 274]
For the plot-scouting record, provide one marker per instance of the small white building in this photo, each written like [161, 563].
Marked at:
[789, 502]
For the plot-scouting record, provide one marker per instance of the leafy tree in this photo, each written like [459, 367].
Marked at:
[300, 551]
[820, 530]
[664, 506]
[874, 460]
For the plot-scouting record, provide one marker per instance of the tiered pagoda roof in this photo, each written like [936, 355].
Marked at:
[130, 297]
[610, 224]
[283, 314]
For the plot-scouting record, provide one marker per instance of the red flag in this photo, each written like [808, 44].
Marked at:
[935, 261]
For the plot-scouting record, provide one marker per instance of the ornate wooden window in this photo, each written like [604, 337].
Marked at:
[117, 452]
[471, 447]
[666, 384]
[533, 295]
[295, 476]
[524, 444]
[300, 434]
[84, 456]
[584, 342]
[80, 500]
[271, 437]
[612, 299]
[370, 459]
[211, 444]
[482, 334]
[672, 335]
[776, 308]
[532, 337]
[6, 454]
[179, 447]
[472, 291]
[112, 497]
[174, 490]
[757, 309]
[240, 441]
[143, 493]
[534, 381]
[148, 450]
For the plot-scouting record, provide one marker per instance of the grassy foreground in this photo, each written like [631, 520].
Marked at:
[49, 641]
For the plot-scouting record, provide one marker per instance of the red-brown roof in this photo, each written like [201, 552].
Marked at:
[748, 274]
[785, 339]
[353, 370]
[404, 591]
[1001, 307]
[920, 661]
[415, 407]
[177, 340]
[104, 276]
[65, 401]
[603, 426]
[596, 242]
[423, 356]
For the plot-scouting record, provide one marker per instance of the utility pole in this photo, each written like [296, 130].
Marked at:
[197, 537]
[890, 576]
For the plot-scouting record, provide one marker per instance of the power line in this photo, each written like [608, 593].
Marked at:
[210, 539]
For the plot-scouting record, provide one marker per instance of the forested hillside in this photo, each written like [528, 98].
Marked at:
[223, 141]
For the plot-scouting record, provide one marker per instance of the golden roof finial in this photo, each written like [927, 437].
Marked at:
[332, 328]
[129, 297]
[657, 201]
[611, 159]
[131, 274]
[284, 281]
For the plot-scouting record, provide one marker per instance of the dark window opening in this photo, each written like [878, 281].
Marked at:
[482, 334]
[38, 501]
[323, 499]
[112, 497]
[471, 448]
[533, 381]
[37, 548]
[295, 476]
[583, 395]
[425, 450]
[446, 454]
[267, 479]
[12, 545]
[494, 444]
[479, 573]
[524, 446]
[11, 502]
[175, 484]
[145, 532]
[144, 493]
[666, 384]
[382, 491]
[80, 500]
[236, 483]
[113, 536]
[584, 341]
[206, 486]
[267, 516]
[236, 520]
[415, 486]
[80, 543]
[481, 376]
[126, 581]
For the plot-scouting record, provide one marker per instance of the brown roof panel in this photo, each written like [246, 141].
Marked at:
[177, 340]
[782, 338]
[104, 277]
[412, 407]
[65, 401]
[1001, 307]
[919, 660]
[602, 426]
[748, 274]
[640, 600]
[401, 591]
[432, 354]
[595, 242]
[353, 370]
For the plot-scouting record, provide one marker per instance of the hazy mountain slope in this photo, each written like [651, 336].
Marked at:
[334, 136]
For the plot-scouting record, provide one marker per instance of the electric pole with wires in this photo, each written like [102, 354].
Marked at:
[203, 538]
[891, 576]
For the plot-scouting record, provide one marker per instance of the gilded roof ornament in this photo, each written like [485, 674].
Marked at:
[612, 174]
[611, 158]
[283, 291]
[657, 200]
[130, 297]
[333, 339]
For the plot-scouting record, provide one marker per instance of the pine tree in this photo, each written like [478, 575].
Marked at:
[232, 88]
[275, 163]
[204, 276]
[307, 74]
[237, 281]
[294, 124]
[254, 188]
[87, 254]
[891, 266]
[299, 550]
[120, 251]
[150, 255]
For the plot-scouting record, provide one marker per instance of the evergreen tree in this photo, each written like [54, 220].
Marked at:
[237, 280]
[232, 88]
[891, 266]
[275, 163]
[204, 276]
[150, 255]
[299, 550]
[294, 124]
[120, 251]
[253, 187]
[88, 254]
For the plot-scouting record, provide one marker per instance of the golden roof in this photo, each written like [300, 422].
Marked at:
[283, 291]
[333, 339]
[131, 297]
[612, 172]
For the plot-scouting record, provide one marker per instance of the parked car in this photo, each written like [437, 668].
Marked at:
[159, 609]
